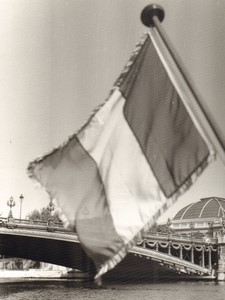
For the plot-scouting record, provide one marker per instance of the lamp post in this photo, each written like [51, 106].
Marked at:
[11, 203]
[50, 221]
[192, 246]
[222, 226]
[50, 207]
[168, 228]
[21, 202]
[191, 227]
[210, 229]
[169, 235]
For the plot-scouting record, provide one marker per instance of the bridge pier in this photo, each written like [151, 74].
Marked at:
[221, 259]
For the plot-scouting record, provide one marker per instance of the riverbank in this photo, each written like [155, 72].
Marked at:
[37, 273]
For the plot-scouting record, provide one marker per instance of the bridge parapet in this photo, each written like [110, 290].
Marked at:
[180, 239]
[33, 225]
[202, 252]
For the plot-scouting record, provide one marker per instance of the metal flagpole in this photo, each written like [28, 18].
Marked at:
[152, 16]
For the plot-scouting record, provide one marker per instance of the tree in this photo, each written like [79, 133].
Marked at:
[43, 215]
[34, 215]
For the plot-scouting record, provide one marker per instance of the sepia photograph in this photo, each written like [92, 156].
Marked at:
[112, 157]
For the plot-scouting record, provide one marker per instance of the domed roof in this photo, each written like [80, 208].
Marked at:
[212, 207]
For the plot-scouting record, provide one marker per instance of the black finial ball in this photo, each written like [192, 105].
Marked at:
[149, 12]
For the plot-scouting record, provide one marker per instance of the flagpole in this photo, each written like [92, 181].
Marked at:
[152, 16]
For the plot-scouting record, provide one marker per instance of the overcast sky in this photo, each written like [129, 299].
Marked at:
[59, 59]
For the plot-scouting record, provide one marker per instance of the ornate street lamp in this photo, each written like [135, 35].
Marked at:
[168, 226]
[50, 221]
[11, 203]
[192, 225]
[50, 207]
[210, 229]
[21, 201]
[222, 225]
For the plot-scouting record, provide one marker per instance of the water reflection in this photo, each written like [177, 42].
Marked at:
[71, 289]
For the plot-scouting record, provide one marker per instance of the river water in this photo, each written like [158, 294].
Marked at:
[70, 289]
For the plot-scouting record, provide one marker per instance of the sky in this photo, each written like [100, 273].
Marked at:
[59, 60]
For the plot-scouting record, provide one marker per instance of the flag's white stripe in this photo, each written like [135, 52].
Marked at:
[131, 188]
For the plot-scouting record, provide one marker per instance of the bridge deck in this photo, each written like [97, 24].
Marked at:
[54, 244]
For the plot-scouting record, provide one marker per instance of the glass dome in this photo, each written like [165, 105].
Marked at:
[212, 207]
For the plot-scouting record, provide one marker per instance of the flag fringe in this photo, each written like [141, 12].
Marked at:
[62, 216]
[116, 85]
[118, 257]
[194, 175]
[111, 263]
[182, 189]
[131, 61]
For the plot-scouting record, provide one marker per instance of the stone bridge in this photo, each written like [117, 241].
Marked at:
[154, 255]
